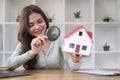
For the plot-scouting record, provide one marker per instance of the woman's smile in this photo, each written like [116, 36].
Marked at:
[38, 32]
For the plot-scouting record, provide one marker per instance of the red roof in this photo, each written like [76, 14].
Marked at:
[77, 28]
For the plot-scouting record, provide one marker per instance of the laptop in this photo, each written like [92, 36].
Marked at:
[6, 74]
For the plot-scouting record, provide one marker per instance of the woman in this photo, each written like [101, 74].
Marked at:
[35, 51]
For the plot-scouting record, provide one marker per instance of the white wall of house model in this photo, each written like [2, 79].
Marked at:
[78, 41]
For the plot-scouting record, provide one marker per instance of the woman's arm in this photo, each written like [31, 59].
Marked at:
[16, 60]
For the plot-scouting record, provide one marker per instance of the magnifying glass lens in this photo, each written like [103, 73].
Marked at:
[53, 33]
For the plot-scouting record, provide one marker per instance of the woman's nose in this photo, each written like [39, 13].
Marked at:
[36, 26]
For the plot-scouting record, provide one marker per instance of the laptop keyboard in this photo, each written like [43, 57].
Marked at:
[6, 74]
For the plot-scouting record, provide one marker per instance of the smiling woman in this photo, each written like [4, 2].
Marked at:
[38, 50]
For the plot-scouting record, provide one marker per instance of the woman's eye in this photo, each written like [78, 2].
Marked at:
[39, 21]
[31, 24]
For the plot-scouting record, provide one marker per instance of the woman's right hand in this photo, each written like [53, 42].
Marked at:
[36, 45]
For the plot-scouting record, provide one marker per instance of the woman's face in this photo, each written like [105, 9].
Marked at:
[37, 25]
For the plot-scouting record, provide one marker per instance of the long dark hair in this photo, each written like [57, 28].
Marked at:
[23, 35]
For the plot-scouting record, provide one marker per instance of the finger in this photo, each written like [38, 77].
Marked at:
[77, 55]
[37, 43]
[45, 36]
[81, 56]
[43, 39]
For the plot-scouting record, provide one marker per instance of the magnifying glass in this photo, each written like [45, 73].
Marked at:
[53, 33]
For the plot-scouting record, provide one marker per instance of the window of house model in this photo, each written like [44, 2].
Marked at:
[84, 47]
[80, 33]
[71, 45]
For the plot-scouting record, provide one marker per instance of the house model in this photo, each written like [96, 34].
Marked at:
[78, 41]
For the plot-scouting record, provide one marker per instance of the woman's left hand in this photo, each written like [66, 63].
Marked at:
[75, 58]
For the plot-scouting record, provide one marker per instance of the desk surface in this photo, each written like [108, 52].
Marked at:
[60, 75]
